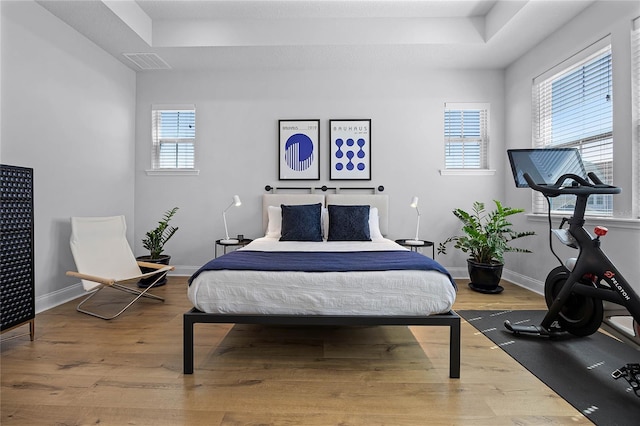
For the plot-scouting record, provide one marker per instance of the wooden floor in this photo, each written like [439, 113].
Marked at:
[82, 370]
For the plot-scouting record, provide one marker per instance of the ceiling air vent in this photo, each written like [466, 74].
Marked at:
[147, 61]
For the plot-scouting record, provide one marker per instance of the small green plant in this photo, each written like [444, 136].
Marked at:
[487, 235]
[157, 238]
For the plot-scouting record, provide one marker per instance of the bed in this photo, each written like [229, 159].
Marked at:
[324, 260]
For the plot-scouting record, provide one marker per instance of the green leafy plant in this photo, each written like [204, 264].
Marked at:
[155, 239]
[487, 235]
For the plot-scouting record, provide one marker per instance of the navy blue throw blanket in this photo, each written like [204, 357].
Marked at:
[324, 261]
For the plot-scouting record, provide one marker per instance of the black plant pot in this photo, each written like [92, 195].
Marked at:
[146, 282]
[485, 278]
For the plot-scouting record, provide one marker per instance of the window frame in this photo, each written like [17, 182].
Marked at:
[156, 142]
[542, 114]
[483, 138]
[635, 83]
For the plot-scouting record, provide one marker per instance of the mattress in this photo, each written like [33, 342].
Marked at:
[370, 293]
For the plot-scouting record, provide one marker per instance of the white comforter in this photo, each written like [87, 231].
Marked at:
[372, 293]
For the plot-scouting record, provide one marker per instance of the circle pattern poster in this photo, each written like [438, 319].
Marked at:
[298, 149]
[350, 149]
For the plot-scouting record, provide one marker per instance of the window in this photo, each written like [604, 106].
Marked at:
[572, 107]
[466, 136]
[635, 75]
[174, 136]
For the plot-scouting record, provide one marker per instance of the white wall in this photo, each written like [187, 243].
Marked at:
[68, 111]
[623, 242]
[58, 87]
[237, 117]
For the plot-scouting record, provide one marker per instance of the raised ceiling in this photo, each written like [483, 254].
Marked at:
[318, 34]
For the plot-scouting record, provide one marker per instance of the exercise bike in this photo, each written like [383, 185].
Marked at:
[587, 292]
[575, 291]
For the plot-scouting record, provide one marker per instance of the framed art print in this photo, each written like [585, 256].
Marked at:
[298, 149]
[350, 149]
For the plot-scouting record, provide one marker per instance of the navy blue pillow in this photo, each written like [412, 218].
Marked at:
[301, 222]
[349, 223]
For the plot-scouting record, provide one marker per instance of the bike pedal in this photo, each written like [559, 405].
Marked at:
[631, 373]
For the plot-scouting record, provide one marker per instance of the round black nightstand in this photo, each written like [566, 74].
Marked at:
[406, 242]
[240, 243]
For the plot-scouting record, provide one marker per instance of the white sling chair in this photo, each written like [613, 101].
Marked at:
[104, 260]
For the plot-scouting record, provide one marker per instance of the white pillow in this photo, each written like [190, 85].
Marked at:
[274, 227]
[374, 224]
[325, 223]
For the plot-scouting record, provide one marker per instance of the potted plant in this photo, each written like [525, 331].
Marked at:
[154, 241]
[487, 238]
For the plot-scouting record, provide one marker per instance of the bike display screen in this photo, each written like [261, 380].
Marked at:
[544, 166]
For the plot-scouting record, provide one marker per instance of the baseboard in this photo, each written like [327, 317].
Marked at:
[183, 270]
[523, 281]
[458, 273]
[51, 300]
[513, 277]
[58, 297]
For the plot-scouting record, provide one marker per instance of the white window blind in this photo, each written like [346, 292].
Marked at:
[174, 136]
[635, 58]
[573, 108]
[466, 136]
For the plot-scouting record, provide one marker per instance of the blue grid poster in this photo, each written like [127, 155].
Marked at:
[350, 149]
[299, 156]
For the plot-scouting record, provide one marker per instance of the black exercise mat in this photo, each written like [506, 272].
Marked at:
[576, 368]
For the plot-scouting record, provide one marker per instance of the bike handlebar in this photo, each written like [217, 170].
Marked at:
[580, 186]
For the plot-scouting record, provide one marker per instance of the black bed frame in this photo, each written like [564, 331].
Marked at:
[449, 319]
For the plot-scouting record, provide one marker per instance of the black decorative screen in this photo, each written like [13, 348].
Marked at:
[17, 302]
